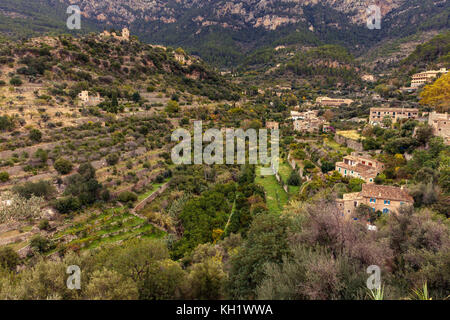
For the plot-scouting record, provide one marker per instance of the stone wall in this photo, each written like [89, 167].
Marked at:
[152, 197]
[293, 165]
[350, 143]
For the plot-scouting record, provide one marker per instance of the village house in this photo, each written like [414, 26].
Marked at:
[307, 115]
[124, 37]
[272, 125]
[280, 89]
[368, 78]
[331, 102]
[385, 199]
[295, 115]
[87, 100]
[307, 121]
[422, 78]
[308, 125]
[361, 167]
[84, 96]
[440, 122]
[378, 114]
[376, 97]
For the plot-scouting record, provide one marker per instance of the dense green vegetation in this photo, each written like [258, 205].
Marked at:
[430, 53]
[93, 184]
[34, 18]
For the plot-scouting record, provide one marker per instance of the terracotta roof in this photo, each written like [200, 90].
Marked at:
[385, 192]
[364, 171]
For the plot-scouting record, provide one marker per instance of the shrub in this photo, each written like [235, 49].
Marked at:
[6, 123]
[327, 166]
[67, 204]
[40, 244]
[136, 97]
[172, 107]
[9, 258]
[41, 155]
[308, 165]
[4, 176]
[184, 121]
[15, 81]
[294, 179]
[129, 164]
[38, 189]
[112, 159]
[105, 195]
[35, 135]
[44, 224]
[380, 179]
[127, 196]
[63, 166]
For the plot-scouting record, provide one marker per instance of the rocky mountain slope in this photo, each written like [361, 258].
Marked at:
[268, 14]
[224, 31]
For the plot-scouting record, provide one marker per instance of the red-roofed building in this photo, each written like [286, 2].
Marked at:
[380, 198]
[361, 167]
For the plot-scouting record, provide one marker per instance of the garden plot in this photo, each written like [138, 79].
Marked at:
[111, 226]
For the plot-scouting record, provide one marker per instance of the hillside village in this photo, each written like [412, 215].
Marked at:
[86, 168]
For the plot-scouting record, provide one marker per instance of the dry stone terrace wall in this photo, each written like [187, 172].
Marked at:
[152, 197]
[30, 150]
[88, 143]
[137, 186]
[350, 143]
[19, 176]
[293, 165]
[14, 239]
[5, 227]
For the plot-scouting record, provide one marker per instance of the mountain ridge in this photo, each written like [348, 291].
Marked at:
[223, 32]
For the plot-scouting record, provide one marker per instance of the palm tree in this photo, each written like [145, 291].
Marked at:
[377, 294]
[422, 294]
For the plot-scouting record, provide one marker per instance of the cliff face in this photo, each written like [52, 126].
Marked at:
[223, 32]
[269, 14]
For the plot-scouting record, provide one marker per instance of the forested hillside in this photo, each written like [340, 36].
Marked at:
[434, 52]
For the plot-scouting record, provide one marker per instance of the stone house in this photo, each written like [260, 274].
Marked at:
[87, 100]
[422, 78]
[377, 114]
[385, 199]
[308, 125]
[440, 122]
[125, 34]
[361, 167]
[272, 125]
[331, 102]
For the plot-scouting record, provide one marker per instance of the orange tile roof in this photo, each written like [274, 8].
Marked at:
[364, 171]
[385, 192]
